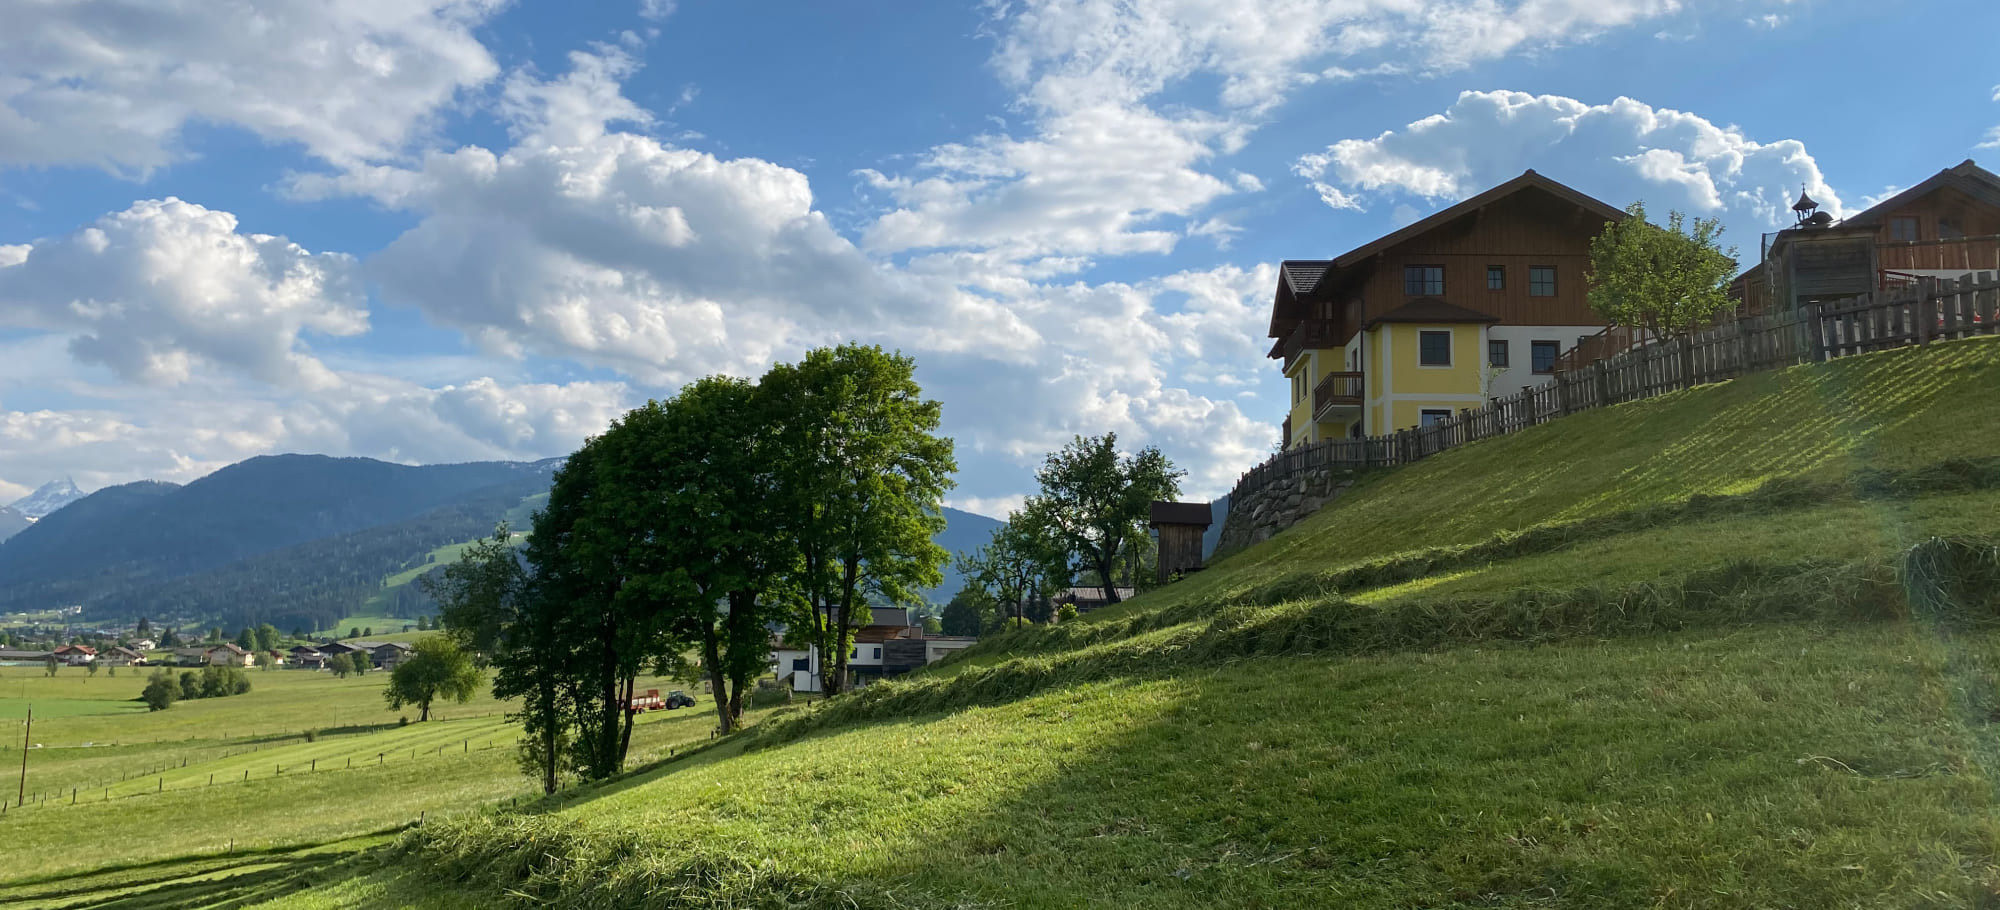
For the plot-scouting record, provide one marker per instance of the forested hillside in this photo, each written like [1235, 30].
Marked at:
[120, 540]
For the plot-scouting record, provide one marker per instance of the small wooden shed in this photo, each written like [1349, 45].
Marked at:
[1180, 525]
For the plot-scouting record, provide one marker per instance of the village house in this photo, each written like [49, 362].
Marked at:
[893, 643]
[1943, 227]
[230, 654]
[1474, 302]
[76, 655]
[190, 657]
[145, 644]
[388, 655]
[122, 657]
[22, 657]
[307, 657]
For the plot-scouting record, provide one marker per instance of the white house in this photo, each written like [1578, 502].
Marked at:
[893, 644]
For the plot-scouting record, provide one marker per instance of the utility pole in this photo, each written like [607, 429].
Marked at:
[27, 736]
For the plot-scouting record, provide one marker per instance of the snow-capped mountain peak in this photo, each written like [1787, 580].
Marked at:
[47, 498]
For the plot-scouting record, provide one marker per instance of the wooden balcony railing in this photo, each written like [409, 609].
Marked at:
[1337, 390]
[1311, 335]
[1970, 254]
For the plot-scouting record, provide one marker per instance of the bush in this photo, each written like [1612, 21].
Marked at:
[312, 736]
[161, 691]
[1066, 613]
[771, 697]
[190, 685]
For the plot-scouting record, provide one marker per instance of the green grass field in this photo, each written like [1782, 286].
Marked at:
[1658, 655]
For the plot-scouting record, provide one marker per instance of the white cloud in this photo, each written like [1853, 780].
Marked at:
[154, 290]
[111, 84]
[1618, 151]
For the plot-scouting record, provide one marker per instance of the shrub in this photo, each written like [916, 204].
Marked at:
[1066, 613]
[161, 691]
[190, 685]
[770, 697]
[312, 736]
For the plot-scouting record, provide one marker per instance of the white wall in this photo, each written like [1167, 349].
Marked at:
[1520, 372]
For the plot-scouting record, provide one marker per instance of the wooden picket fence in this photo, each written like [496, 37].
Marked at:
[1916, 314]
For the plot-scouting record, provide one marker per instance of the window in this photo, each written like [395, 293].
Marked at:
[1544, 356]
[878, 653]
[1298, 387]
[1903, 227]
[801, 663]
[1431, 417]
[1496, 352]
[1434, 349]
[1423, 280]
[1949, 229]
[1496, 277]
[1541, 281]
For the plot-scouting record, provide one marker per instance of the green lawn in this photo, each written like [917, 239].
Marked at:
[1532, 672]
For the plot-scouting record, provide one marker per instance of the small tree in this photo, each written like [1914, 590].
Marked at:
[190, 685]
[91, 668]
[1094, 502]
[1665, 280]
[54, 665]
[145, 629]
[435, 669]
[354, 632]
[267, 637]
[340, 665]
[360, 662]
[161, 692]
[367, 630]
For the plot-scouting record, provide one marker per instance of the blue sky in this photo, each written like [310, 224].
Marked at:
[445, 230]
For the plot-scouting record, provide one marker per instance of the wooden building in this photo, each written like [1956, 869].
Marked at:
[1180, 526]
[1474, 302]
[1943, 227]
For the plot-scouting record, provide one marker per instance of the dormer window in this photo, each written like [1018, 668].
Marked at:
[1903, 227]
[1423, 280]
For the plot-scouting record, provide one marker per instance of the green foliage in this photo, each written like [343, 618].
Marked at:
[190, 685]
[1066, 613]
[859, 475]
[354, 632]
[1666, 280]
[962, 615]
[340, 665]
[247, 639]
[1092, 509]
[1016, 570]
[161, 691]
[267, 637]
[435, 669]
[478, 595]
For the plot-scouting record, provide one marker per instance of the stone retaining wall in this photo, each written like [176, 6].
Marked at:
[1254, 517]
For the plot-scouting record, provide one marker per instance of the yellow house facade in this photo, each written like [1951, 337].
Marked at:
[1474, 302]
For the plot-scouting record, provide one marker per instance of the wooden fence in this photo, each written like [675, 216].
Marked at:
[1927, 311]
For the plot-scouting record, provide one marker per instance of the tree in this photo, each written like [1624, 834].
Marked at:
[859, 477]
[170, 639]
[1665, 280]
[145, 629]
[91, 668]
[267, 637]
[354, 632]
[161, 692]
[367, 630]
[190, 685]
[961, 615]
[1093, 504]
[215, 635]
[54, 665]
[341, 665]
[247, 639]
[360, 663]
[435, 669]
[1015, 569]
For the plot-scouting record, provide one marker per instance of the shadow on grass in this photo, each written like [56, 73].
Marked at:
[236, 879]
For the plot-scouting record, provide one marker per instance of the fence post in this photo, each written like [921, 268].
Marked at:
[1603, 385]
[1687, 361]
[1815, 323]
[1562, 394]
[1923, 308]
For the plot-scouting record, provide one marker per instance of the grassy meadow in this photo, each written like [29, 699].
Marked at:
[1695, 652]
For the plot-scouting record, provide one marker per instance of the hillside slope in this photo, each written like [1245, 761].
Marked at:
[1698, 651]
[119, 539]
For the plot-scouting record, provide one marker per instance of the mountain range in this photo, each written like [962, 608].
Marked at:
[16, 516]
[294, 540]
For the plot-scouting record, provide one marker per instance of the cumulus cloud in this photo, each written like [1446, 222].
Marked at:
[151, 291]
[1618, 150]
[112, 83]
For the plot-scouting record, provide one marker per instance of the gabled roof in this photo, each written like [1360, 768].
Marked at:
[1302, 275]
[1528, 180]
[1967, 177]
[1182, 513]
[229, 646]
[1433, 310]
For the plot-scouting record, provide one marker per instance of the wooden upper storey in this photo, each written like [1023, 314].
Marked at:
[1526, 224]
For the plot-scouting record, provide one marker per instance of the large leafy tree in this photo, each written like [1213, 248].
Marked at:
[436, 668]
[859, 474]
[1664, 280]
[1094, 502]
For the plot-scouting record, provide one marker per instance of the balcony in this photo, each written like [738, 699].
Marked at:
[1338, 397]
[1311, 335]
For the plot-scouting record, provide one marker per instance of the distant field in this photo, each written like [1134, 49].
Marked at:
[361, 773]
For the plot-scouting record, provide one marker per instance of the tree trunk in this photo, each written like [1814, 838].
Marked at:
[550, 735]
[711, 654]
[744, 632]
[625, 735]
[1104, 565]
[607, 730]
[843, 633]
[423, 710]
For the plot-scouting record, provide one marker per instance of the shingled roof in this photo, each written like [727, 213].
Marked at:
[1182, 513]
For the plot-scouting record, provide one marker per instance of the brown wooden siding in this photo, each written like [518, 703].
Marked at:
[1522, 231]
[1180, 549]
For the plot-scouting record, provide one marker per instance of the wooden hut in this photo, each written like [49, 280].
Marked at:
[1180, 525]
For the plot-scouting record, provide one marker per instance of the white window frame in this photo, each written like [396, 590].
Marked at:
[1422, 412]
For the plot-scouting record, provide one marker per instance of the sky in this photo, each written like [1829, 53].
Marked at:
[455, 230]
